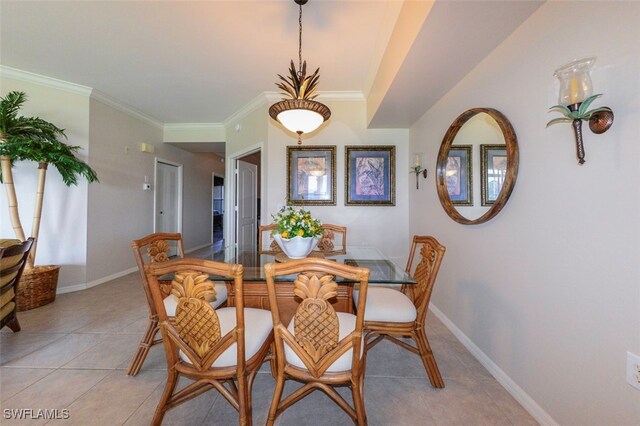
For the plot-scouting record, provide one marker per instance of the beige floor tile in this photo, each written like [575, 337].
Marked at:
[56, 391]
[59, 352]
[114, 399]
[316, 409]
[192, 412]
[16, 345]
[155, 358]
[223, 413]
[507, 404]
[112, 351]
[14, 380]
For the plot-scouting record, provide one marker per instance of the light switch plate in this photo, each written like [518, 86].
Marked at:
[633, 370]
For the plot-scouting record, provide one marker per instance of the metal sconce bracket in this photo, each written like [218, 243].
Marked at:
[418, 170]
[600, 121]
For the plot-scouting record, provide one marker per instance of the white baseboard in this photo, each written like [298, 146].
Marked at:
[516, 391]
[78, 287]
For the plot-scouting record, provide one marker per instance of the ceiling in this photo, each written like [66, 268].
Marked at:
[200, 62]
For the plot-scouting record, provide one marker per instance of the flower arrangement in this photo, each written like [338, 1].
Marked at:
[296, 223]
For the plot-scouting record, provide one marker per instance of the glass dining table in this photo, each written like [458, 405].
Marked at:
[383, 271]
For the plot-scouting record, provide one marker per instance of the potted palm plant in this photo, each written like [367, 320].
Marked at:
[34, 139]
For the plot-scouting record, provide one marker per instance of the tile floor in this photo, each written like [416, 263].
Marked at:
[73, 354]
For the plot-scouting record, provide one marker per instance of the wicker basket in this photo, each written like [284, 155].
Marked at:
[37, 287]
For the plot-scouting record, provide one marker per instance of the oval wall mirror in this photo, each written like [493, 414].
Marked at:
[477, 166]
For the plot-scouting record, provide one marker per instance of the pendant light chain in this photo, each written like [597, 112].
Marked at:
[300, 42]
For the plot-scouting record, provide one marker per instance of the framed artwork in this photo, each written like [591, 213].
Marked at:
[458, 175]
[370, 175]
[493, 170]
[311, 177]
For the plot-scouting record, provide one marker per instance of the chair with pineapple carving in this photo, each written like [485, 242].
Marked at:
[266, 243]
[319, 347]
[391, 314]
[219, 348]
[153, 248]
[13, 259]
[334, 240]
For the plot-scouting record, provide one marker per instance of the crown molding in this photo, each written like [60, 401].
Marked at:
[122, 107]
[194, 126]
[259, 101]
[43, 80]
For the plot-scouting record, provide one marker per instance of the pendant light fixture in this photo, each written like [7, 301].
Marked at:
[298, 111]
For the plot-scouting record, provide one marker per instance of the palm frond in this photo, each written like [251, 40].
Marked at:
[559, 120]
[584, 106]
[561, 109]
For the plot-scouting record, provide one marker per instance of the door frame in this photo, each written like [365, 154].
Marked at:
[155, 191]
[230, 201]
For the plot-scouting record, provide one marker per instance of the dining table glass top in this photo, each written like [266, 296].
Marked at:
[383, 270]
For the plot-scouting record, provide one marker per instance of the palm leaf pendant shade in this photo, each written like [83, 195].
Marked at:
[298, 111]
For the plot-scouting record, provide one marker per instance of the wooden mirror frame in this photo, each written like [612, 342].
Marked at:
[511, 143]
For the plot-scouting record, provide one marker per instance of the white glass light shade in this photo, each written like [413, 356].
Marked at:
[417, 160]
[575, 81]
[300, 120]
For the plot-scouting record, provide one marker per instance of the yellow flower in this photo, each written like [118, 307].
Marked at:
[285, 234]
[300, 232]
[313, 229]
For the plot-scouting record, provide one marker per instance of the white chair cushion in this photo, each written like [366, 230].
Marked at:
[171, 302]
[257, 326]
[387, 305]
[347, 323]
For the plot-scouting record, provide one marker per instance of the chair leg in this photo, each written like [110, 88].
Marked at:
[244, 406]
[428, 359]
[357, 389]
[275, 401]
[172, 381]
[143, 347]
[13, 323]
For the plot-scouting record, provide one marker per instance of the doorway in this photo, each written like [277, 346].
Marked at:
[217, 214]
[244, 191]
[167, 197]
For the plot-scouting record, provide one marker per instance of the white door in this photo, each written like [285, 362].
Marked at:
[247, 210]
[167, 198]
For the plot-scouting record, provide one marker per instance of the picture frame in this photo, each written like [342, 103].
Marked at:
[458, 175]
[493, 171]
[370, 175]
[311, 175]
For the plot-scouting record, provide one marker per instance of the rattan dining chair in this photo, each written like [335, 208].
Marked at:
[13, 259]
[156, 248]
[213, 347]
[391, 314]
[266, 243]
[319, 347]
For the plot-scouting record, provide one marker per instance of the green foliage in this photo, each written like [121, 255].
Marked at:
[296, 222]
[580, 114]
[34, 139]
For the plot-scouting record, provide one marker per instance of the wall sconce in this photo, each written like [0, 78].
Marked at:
[416, 167]
[575, 97]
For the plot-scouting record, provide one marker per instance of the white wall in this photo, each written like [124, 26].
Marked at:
[119, 210]
[381, 226]
[549, 289]
[62, 238]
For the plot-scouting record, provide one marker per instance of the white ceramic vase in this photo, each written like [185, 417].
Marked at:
[296, 247]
